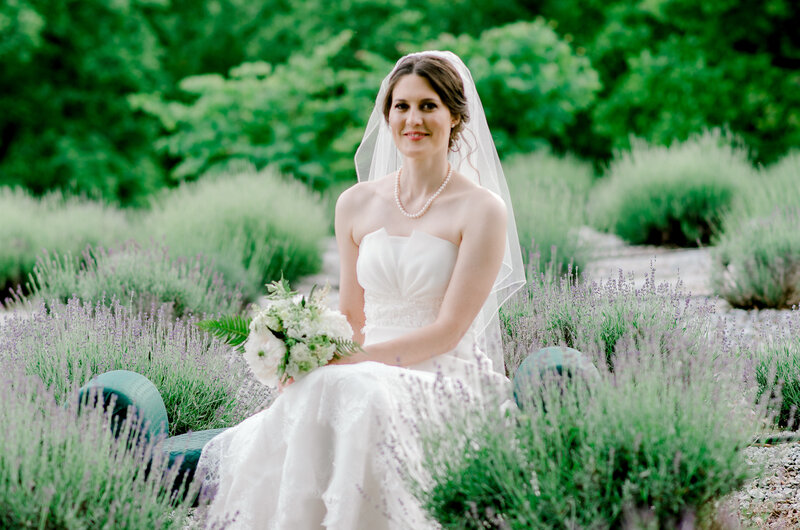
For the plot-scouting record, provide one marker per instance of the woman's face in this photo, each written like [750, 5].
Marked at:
[420, 122]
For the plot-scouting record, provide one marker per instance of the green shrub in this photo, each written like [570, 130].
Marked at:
[254, 227]
[203, 384]
[143, 278]
[530, 80]
[549, 196]
[652, 445]
[671, 195]
[756, 259]
[63, 470]
[29, 225]
[758, 265]
[778, 370]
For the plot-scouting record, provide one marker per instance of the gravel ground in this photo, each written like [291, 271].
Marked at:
[772, 500]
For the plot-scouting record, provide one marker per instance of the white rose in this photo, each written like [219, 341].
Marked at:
[335, 325]
[263, 353]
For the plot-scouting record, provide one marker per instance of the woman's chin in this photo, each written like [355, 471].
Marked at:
[419, 150]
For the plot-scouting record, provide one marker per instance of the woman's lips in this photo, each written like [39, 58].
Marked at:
[415, 136]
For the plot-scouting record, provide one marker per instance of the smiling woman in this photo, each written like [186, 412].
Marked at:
[415, 288]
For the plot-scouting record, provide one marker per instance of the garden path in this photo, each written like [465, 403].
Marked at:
[610, 254]
[329, 273]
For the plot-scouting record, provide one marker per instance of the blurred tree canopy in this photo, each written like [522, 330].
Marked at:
[64, 120]
[303, 115]
[108, 99]
[308, 117]
[673, 67]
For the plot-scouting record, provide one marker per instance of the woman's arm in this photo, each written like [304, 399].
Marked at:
[351, 295]
[479, 258]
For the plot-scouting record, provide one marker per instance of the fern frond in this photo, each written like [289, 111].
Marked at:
[346, 347]
[232, 330]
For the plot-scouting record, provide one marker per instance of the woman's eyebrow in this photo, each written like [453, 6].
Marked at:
[424, 100]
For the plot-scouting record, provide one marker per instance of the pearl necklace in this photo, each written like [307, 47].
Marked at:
[429, 201]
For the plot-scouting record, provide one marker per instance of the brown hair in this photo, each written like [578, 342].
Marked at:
[444, 80]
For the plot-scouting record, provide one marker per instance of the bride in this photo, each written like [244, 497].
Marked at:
[428, 251]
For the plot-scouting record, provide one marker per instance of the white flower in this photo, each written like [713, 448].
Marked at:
[335, 325]
[265, 321]
[263, 353]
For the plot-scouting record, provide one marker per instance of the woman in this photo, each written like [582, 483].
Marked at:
[427, 249]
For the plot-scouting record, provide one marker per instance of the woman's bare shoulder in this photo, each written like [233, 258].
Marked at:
[482, 201]
[362, 197]
[362, 191]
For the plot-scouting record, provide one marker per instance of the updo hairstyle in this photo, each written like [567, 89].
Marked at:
[444, 80]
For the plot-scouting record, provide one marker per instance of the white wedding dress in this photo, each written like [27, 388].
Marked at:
[325, 453]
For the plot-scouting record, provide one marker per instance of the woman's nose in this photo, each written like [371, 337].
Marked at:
[414, 116]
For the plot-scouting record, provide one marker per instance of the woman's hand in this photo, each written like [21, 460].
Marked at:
[357, 357]
[282, 386]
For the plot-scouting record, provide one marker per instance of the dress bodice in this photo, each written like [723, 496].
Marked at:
[404, 278]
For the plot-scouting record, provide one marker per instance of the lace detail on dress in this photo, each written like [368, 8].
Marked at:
[398, 312]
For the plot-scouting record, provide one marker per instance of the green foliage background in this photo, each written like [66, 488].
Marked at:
[111, 100]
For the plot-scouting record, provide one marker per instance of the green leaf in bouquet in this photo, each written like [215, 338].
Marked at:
[345, 347]
[232, 330]
[279, 289]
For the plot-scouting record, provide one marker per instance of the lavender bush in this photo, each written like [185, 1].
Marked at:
[756, 259]
[254, 226]
[28, 225]
[778, 369]
[140, 277]
[204, 385]
[652, 445]
[59, 469]
[549, 195]
[671, 195]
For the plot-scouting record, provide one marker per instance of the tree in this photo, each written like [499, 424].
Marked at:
[65, 123]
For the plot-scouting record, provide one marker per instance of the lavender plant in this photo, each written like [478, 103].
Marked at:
[756, 259]
[652, 444]
[204, 385]
[593, 317]
[59, 469]
[140, 277]
[550, 195]
[778, 369]
[254, 226]
[671, 195]
[28, 225]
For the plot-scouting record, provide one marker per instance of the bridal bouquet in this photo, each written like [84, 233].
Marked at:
[290, 337]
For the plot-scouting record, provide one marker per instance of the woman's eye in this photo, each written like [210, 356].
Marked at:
[400, 106]
[429, 106]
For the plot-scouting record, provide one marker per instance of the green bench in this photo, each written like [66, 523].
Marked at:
[549, 362]
[131, 393]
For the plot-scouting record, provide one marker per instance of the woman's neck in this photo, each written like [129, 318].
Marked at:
[423, 176]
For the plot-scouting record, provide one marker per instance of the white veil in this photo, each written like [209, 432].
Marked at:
[475, 157]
